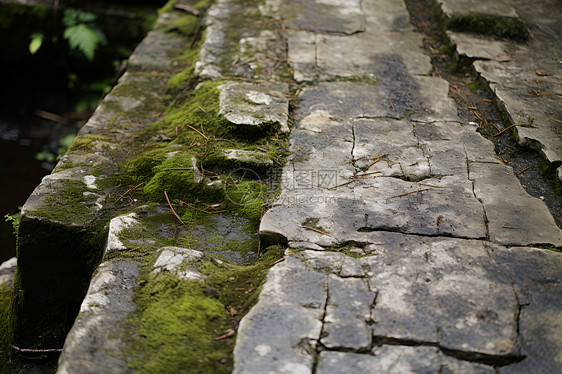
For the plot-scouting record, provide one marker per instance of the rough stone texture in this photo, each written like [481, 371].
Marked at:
[396, 360]
[176, 260]
[94, 342]
[315, 56]
[454, 8]
[525, 78]
[331, 16]
[255, 104]
[345, 322]
[380, 175]
[7, 271]
[297, 297]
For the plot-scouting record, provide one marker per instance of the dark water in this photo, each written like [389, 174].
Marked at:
[41, 82]
[23, 134]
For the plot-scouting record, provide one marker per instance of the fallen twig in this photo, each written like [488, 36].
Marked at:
[171, 207]
[341, 184]
[527, 168]
[507, 128]
[27, 350]
[408, 193]
[510, 227]
[128, 191]
[392, 105]
[228, 334]
[316, 230]
[199, 132]
[484, 162]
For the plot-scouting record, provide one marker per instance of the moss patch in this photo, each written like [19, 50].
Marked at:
[181, 325]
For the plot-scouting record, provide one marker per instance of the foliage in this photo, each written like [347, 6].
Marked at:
[80, 31]
[14, 219]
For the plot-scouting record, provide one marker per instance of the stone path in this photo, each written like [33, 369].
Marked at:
[409, 247]
[406, 236]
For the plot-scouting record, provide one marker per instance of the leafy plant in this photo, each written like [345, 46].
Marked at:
[80, 31]
[14, 219]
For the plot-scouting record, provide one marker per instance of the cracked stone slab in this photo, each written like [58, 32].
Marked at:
[422, 99]
[332, 16]
[345, 323]
[388, 15]
[396, 360]
[536, 106]
[537, 282]
[94, 344]
[445, 292]
[255, 104]
[479, 47]
[328, 56]
[279, 334]
[514, 217]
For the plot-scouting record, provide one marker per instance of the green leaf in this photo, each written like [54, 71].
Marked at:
[83, 38]
[72, 17]
[36, 42]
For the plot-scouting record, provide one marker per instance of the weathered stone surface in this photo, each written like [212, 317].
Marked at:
[345, 323]
[332, 16]
[524, 78]
[419, 297]
[95, 343]
[480, 47]
[152, 52]
[514, 217]
[464, 7]
[7, 271]
[255, 104]
[297, 297]
[386, 15]
[536, 278]
[530, 100]
[176, 260]
[396, 359]
[328, 56]
[255, 158]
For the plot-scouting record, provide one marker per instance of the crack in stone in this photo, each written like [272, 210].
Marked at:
[486, 222]
[397, 230]
[482, 358]
[319, 346]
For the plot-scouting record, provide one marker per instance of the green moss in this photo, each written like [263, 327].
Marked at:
[177, 325]
[5, 295]
[176, 177]
[69, 204]
[177, 321]
[248, 199]
[90, 143]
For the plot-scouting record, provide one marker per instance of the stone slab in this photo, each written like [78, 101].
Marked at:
[255, 104]
[326, 57]
[396, 360]
[514, 217]
[330, 16]
[346, 323]
[465, 7]
[94, 344]
[386, 15]
[296, 296]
